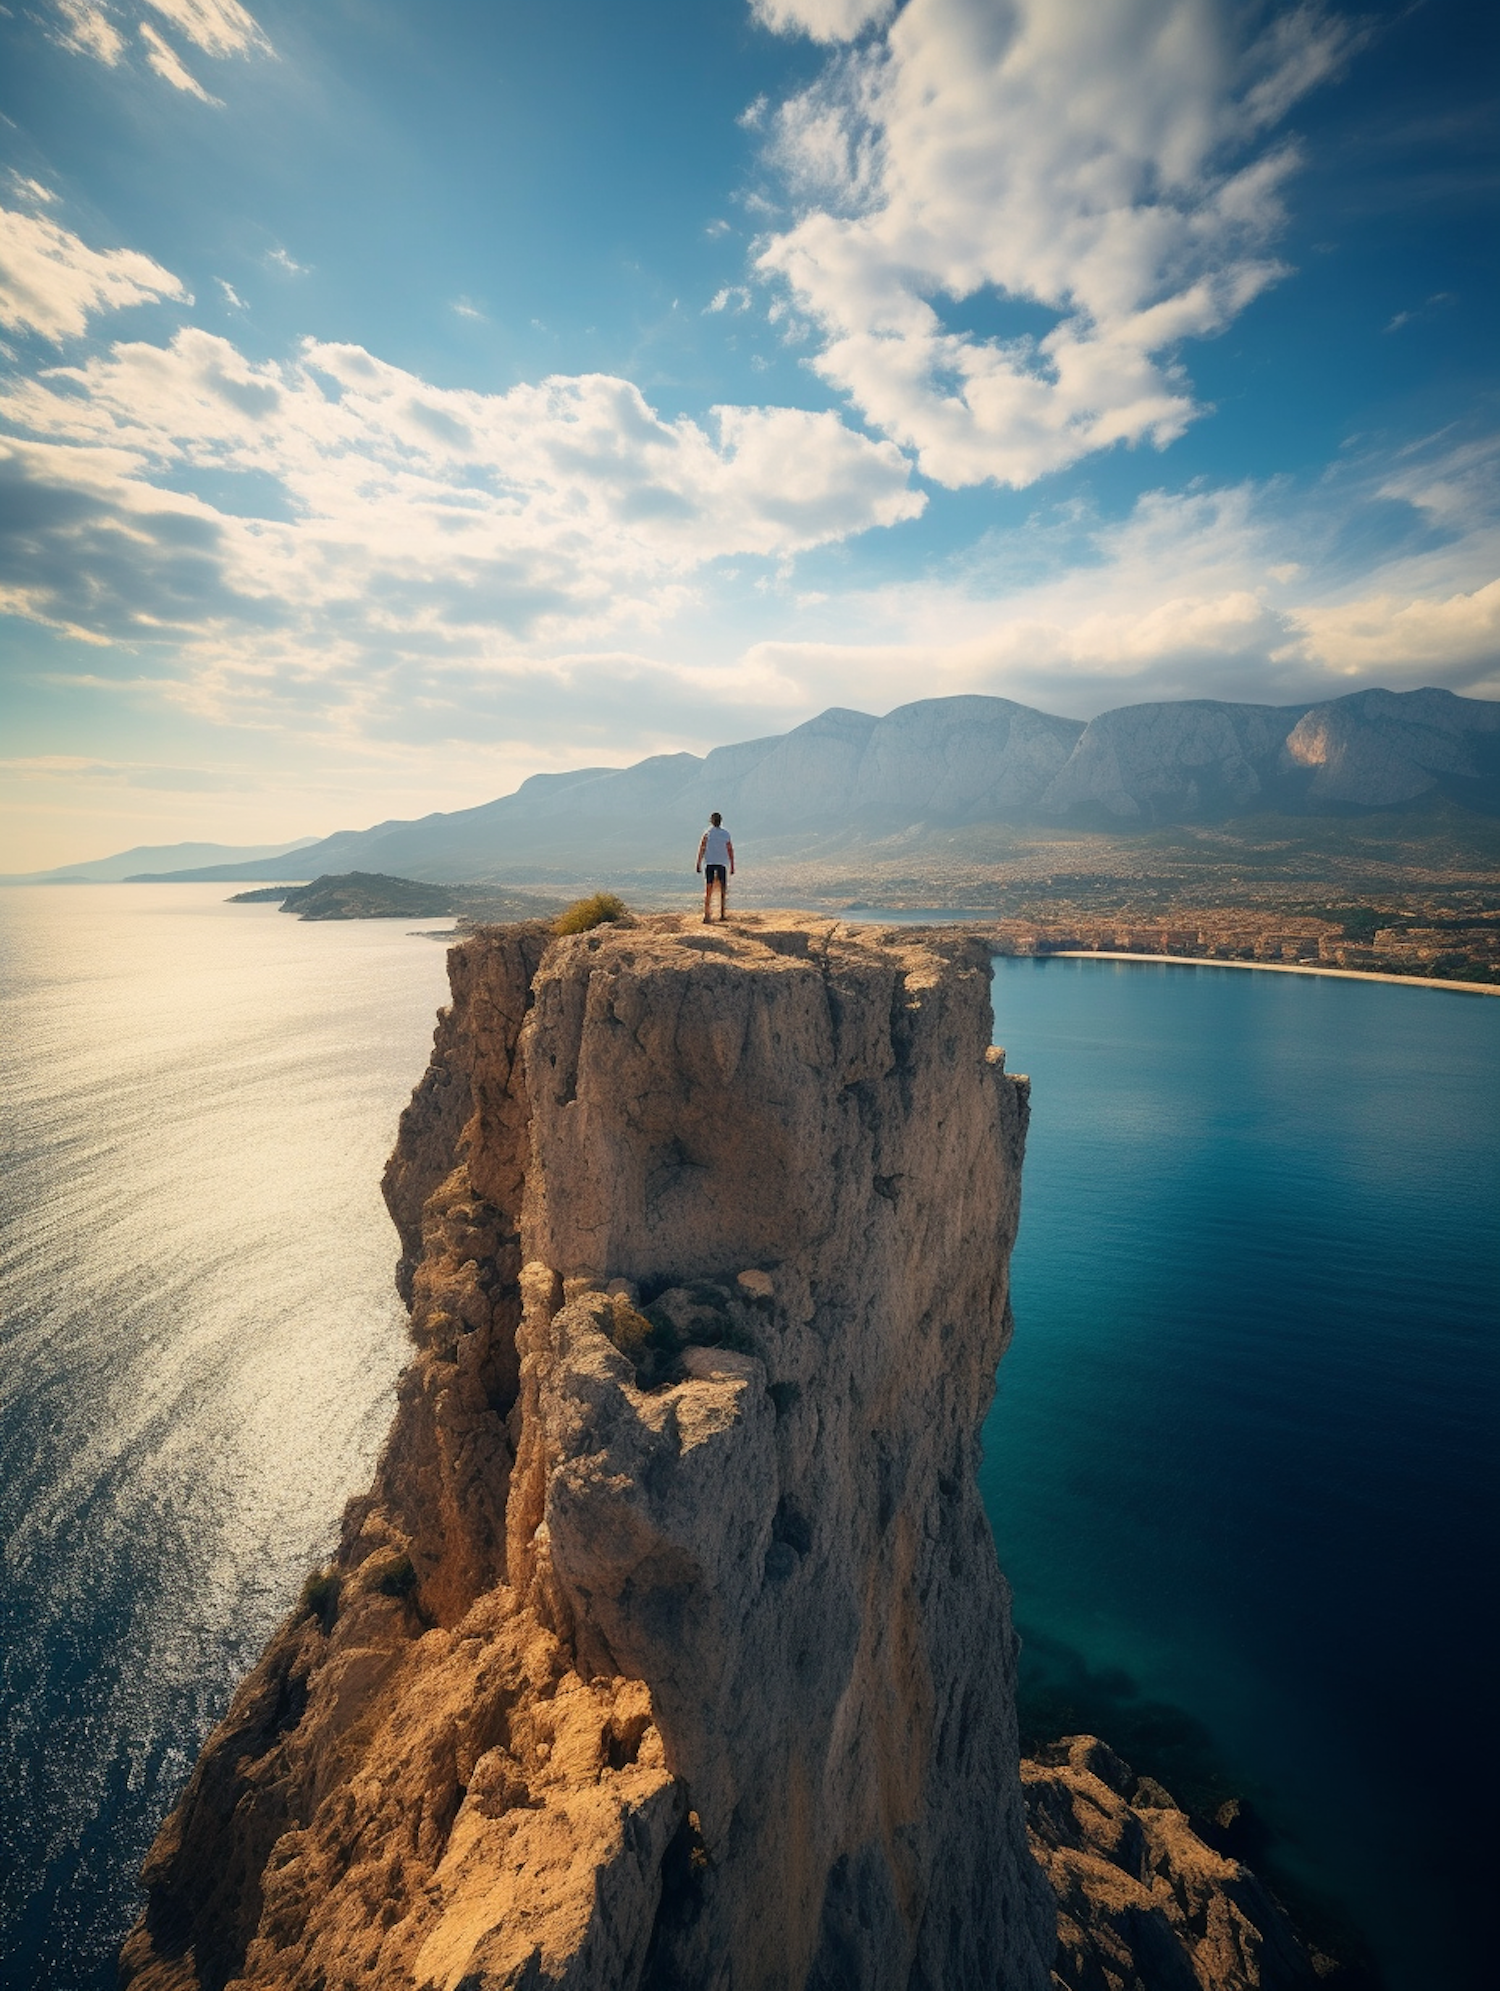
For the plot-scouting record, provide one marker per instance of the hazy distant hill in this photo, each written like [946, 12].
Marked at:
[153, 857]
[846, 779]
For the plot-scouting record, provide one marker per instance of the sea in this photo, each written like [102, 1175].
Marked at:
[1240, 1466]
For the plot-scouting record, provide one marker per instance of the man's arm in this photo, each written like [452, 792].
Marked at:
[729, 846]
[702, 846]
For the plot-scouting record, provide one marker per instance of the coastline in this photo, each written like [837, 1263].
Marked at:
[1272, 968]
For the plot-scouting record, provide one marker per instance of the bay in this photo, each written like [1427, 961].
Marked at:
[1241, 1465]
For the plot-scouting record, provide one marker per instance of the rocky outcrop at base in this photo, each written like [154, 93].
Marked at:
[669, 1648]
[1144, 1903]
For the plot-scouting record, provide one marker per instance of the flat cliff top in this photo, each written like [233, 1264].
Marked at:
[790, 933]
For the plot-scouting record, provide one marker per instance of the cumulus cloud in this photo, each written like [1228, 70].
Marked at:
[1101, 184]
[358, 510]
[821, 20]
[1382, 635]
[51, 282]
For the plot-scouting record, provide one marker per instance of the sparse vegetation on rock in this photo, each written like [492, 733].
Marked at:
[598, 909]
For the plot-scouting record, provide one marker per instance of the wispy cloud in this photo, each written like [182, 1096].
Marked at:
[169, 66]
[1111, 171]
[231, 296]
[88, 30]
[51, 282]
[128, 774]
[1434, 303]
[279, 259]
[218, 27]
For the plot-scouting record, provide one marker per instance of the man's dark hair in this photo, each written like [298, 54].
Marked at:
[716, 819]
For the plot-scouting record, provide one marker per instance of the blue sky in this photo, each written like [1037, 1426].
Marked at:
[400, 400]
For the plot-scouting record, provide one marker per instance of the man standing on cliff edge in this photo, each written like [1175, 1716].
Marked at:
[715, 851]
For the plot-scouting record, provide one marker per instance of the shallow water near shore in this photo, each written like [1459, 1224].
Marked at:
[1241, 1461]
[1237, 1466]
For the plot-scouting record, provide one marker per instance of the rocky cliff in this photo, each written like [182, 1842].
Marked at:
[669, 1647]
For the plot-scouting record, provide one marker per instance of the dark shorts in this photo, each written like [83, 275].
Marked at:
[717, 874]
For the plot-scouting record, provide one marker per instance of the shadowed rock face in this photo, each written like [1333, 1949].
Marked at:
[669, 1647]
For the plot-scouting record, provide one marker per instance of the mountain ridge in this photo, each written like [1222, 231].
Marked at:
[123, 865]
[943, 763]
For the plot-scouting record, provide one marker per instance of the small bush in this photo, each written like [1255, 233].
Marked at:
[653, 1339]
[320, 1597]
[599, 909]
[399, 1580]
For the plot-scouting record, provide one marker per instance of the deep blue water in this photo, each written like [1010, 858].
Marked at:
[1242, 1462]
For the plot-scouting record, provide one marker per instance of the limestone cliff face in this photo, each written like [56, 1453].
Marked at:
[669, 1647]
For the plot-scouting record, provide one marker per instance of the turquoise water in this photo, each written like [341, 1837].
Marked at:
[1241, 1465]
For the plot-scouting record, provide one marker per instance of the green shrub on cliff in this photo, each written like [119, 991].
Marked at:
[599, 909]
[400, 1580]
[320, 1596]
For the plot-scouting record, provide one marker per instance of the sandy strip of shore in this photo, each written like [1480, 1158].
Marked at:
[1273, 968]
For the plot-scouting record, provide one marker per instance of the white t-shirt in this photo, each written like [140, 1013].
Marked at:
[716, 848]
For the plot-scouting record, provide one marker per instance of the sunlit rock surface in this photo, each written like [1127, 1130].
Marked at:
[1144, 1904]
[669, 1646]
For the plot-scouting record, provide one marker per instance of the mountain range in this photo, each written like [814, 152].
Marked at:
[846, 779]
[131, 864]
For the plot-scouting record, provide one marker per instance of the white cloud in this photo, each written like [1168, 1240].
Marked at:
[88, 30]
[1383, 635]
[283, 261]
[1184, 598]
[821, 20]
[52, 283]
[169, 66]
[733, 297]
[363, 512]
[218, 27]
[231, 296]
[1099, 181]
